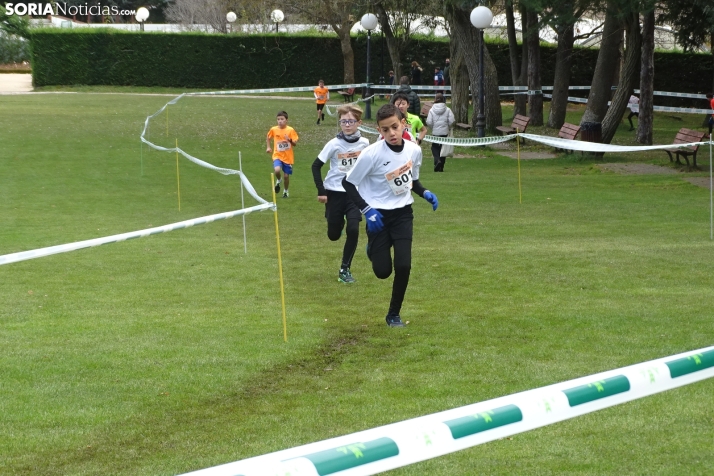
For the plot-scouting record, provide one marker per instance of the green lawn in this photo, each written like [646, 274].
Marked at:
[163, 355]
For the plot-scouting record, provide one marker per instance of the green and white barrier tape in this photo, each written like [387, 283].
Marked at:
[400, 444]
[556, 142]
[53, 250]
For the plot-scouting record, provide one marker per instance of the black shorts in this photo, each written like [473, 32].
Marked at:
[320, 106]
[339, 206]
[398, 225]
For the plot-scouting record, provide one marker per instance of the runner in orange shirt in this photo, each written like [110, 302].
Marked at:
[284, 139]
[322, 95]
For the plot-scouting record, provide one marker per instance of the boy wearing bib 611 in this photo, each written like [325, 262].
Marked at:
[386, 174]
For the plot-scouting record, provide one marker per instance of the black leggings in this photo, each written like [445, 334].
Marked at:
[436, 152]
[396, 235]
[334, 231]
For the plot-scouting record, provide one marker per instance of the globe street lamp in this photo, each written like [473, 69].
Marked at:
[369, 23]
[277, 16]
[141, 15]
[481, 18]
[231, 17]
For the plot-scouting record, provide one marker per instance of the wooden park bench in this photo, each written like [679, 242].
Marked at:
[348, 94]
[520, 123]
[568, 131]
[463, 126]
[686, 136]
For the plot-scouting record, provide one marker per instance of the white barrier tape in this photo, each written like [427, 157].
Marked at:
[421, 88]
[276, 90]
[400, 444]
[585, 146]
[556, 142]
[53, 250]
[684, 110]
[330, 108]
[246, 183]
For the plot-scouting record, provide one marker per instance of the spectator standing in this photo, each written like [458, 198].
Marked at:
[391, 80]
[634, 105]
[710, 97]
[414, 101]
[438, 78]
[440, 120]
[416, 73]
[447, 70]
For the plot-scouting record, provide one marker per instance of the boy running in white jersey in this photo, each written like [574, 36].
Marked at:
[386, 174]
[343, 153]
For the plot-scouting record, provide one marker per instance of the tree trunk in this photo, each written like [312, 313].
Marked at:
[645, 120]
[517, 65]
[628, 77]
[607, 61]
[348, 54]
[535, 94]
[459, 83]
[561, 81]
[468, 36]
[392, 43]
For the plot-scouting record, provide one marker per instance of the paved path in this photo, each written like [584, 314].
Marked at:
[15, 83]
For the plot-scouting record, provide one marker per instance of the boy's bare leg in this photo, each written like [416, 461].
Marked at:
[287, 181]
[277, 173]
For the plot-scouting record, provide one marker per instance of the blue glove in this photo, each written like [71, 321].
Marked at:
[431, 198]
[374, 220]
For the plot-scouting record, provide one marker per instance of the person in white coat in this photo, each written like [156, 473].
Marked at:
[440, 120]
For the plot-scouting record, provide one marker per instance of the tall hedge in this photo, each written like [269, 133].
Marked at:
[198, 60]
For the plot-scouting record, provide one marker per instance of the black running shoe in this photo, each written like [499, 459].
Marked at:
[393, 320]
[277, 187]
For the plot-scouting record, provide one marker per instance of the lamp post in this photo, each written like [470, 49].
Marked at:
[277, 16]
[481, 18]
[141, 15]
[369, 23]
[231, 17]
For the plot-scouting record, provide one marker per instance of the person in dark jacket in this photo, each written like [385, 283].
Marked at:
[447, 70]
[414, 101]
[416, 73]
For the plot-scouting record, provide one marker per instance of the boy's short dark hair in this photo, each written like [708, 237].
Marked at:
[399, 95]
[282, 113]
[438, 97]
[387, 111]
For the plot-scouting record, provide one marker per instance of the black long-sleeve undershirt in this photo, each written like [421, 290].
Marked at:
[317, 176]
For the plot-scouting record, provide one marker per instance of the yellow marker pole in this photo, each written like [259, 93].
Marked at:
[518, 146]
[280, 263]
[178, 180]
[167, 121]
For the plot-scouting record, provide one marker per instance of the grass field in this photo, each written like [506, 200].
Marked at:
[163, 355]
